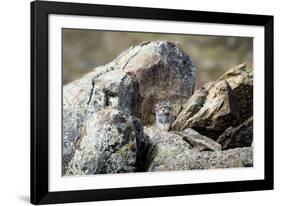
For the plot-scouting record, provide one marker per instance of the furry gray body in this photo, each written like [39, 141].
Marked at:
[164, 115]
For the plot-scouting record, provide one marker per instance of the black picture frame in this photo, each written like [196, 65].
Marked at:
[40, 102]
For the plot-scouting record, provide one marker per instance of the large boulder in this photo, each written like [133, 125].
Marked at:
[109, 144]
[131, 83]
[219, 105]
[160, 71]
[240, 136]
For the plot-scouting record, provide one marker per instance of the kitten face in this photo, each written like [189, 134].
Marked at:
[163, 108]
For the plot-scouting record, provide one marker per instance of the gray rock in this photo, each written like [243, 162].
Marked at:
[198, 141]
[108, 144]
[131, 83]
[163, 148]
[194, 160]
[232, 158]
[219, 105]
[76, 109]
[240, 136]
[114, 89]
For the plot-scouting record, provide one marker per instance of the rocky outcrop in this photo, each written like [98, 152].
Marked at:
[131, 83]
[170, 151]
[240, 136]
[219, 105]
[108, 116]
[108, 144]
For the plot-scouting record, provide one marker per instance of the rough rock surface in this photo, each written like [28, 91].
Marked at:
[160, 71]
[198, 141]
[240, 79]
[108, 145]
[164, 147]
[194, 160]
[240, 136]
[219, 105]
[131, 83]
[238, 157]
[218, 112]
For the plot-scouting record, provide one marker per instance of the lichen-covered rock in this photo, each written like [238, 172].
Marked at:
[238, 157]
[164, 147]
[77, 96]
[131, 83]
[219, 105]
[108, 144]
[240, 136]
[195, 160]
[198, 141]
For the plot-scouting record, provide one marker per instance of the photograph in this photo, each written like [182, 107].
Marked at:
[133, 102]
[155, 102]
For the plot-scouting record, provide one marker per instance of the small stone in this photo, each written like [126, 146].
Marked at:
[198, 141]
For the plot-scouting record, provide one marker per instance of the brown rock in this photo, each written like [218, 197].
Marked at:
[240, 79]
[160, 71]
[217, 113]
[240, 136]
[219, 105]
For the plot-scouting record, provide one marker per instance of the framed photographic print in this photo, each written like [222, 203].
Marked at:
[131, 102]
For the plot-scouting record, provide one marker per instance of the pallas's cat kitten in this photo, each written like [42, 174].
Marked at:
[164, 115]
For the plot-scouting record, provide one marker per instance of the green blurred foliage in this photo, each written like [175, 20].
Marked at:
[83, 50]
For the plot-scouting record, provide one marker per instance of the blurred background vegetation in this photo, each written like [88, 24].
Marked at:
[83, 50]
